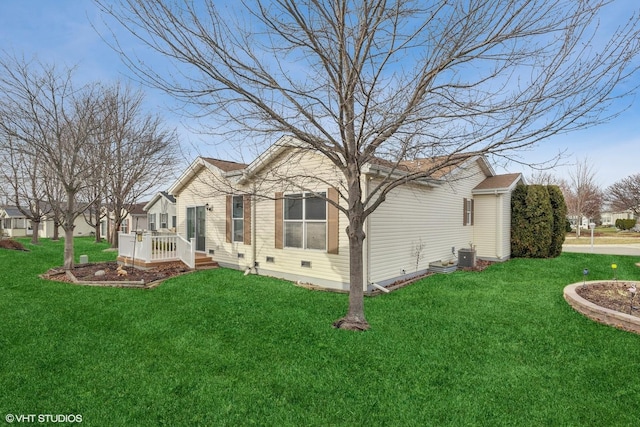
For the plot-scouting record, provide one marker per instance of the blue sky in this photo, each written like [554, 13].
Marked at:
[60, 31]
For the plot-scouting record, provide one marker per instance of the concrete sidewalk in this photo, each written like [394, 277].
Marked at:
[629, 249]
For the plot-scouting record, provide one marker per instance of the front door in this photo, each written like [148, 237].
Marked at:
[196, 226]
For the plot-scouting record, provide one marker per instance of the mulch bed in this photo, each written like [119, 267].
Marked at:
[87, 273]
[12, 244]
[613, 295]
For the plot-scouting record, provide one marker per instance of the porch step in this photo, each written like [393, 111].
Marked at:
[204, 262]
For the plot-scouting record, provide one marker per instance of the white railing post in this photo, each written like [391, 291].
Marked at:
[126, 243]
[148, 247]
[193, 252]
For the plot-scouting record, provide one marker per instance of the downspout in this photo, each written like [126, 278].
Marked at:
[499, 227]
[367, 239]
[254, 226]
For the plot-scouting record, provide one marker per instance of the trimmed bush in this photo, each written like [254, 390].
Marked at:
[560, 221]
[625, 224]
[538, 221]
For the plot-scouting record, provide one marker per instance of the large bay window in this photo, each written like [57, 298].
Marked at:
[305, 221]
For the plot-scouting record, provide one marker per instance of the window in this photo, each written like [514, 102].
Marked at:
[124, 226]
[173, 221]
[152, 222]
[164, 220]
[467, 212]
[237, 217]
[305, 221]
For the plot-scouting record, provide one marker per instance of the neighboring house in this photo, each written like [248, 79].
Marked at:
[609, 217]
[134, 220]
[81, 228]
[161, 212]
[14, 224]
[137, 218]
[253, 217]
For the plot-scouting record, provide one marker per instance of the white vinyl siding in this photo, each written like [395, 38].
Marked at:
[417, 219]
[485, 233]
[164, 210]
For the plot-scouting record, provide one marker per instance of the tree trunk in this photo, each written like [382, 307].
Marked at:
[355, 319]
[68, 248]
[115, 238]
[97, 233]
[68, 226]
[56, 231]
[35, 226]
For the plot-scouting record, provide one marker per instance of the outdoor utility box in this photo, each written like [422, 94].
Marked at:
[466, 257]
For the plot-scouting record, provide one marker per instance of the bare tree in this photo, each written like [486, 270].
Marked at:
[543, 177]
[93, 195]
[49, 117]
[142, 154]
[582, 194]
[625, 194]
[399, 80]
[21, 171]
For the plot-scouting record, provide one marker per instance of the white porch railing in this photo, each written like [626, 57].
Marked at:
[157, 248]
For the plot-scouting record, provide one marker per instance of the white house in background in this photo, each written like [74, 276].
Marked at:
[161, 212]
[267, 216]
[46, 229]
[13, 223]
[609, 217]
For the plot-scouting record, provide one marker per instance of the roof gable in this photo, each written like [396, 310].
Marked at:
[12, 212]
[504, 183]
[224, 165]
[219, 166]
[157, 197]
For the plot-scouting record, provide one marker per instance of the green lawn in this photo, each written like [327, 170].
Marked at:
[496, 348]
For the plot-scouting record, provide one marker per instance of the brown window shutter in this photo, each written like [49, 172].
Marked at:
[228, 222]
[332, 222]
[279, 221]
[472, 211]
[246, 204]
[464, 211]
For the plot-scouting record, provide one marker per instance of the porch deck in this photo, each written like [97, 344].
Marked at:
[202, 262]
[152, 250]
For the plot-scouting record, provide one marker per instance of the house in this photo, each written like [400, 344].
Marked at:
[81, 228]
[266, 217]
[161, 212]
[14, 223]
[135, 219]
[609, 216]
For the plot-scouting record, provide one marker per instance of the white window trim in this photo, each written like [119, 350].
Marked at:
[152, 221]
